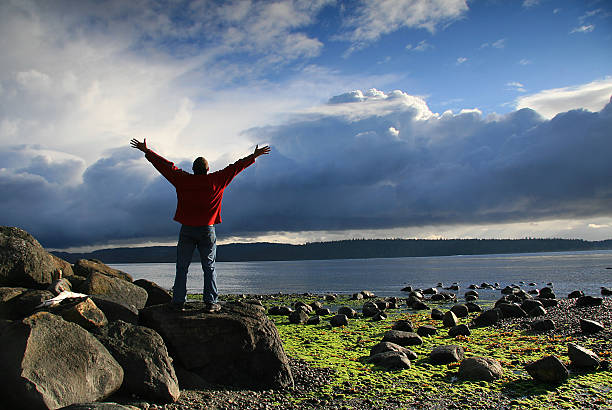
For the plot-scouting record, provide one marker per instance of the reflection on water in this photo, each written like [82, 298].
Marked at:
[567, 270]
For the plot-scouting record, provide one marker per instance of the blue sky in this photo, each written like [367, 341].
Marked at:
[389, 118]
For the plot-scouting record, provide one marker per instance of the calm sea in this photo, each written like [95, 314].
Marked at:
[568, 271]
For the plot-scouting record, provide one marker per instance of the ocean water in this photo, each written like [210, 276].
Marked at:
[568, 271]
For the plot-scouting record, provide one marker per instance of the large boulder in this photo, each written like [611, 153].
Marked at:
[480, 368]
[25, 303]
[85, 267]
[23, 261]
[446, 354]
[156, 294]
[548, 369]
[50, 363]
[236, 346]
[83, 312]
[582, 357]
[116, 311]
[142, 353]
[116, 290]
[7, 294]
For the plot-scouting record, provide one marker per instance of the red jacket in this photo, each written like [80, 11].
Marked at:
[198, 196]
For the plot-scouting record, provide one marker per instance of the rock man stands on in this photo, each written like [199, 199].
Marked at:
[198, 209]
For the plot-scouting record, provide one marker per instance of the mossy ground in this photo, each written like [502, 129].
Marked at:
[357, 384]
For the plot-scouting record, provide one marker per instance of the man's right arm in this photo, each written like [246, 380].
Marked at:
[165, 167]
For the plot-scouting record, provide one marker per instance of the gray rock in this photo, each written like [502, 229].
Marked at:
[588, 301]
[450, 319]
[280, 310]
[437, 314]
[369, 309]
[357, 296]
[471, 293]
[430, 291]
[459, 330]
[404, 325]
[116, 290]
[323, 312]
[236, 346]
[85, 267]
[50, 363]
[390, 360]
[156, 295]
[316, 305]
[487, 318]
[511, 310]
[402, 338]
[407, 289]
[389, 347]
[298, 317]
[543, 325]
[314, 320]
[529, 304]
[473, 307]
[83, 312]
[582, 358]
[460, 310]
[537, 311]
[26, 303]
[548, 369]
[480, 368]
[418, 305]
[147, 367]
[590, 326]
[348, 312]
[116, 311]
[303, 306]
[547, 302]
[379, 316]
[338, 320]
[367, 294]
[426, 330]
[446, 354]
[575, 294]
[23, 261]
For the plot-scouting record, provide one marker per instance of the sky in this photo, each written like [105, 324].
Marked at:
[386, 118]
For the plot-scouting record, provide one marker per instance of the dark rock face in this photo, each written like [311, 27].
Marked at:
[473, 307]
[338, 320]
[582, 358]
[403, 325]
[446, 354]
[36, 354]
[85, 267]
[314, 320]
[480, 368]
[323, 312]
[97, 406]
[280, 310]
[25, 303]
[389, 347]
[511, 310]
[237, 346]
[549, 369]
[459, 330]
[547, 302]
[543, 325]
[426, 330]
[437, 314]
[84, 313]
[391, 360]
[460, 310]
[487, 318]
[606, 291]
[116, 311]
[590, 326]
[298, 317]
[575, 294]
[116, 290]
[586, 301]
[537, 311]
[349, 312]
[402, 338]
[23, 261]
[530, 304]
[156, 294]
[141, 352]
[450, 319]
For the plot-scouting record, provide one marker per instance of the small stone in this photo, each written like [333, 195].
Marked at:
[473, 307]
[581, 357]
[458, 330]
[388, 346]
[575, 294]
[349, 312]
[314, 320]
[590, 326]
[426, 330]
[480, 368]
[446, 354]
[390, 360]
[587, 301]
[403, 325]
[450, 319]
[460, 310]
[537, 311]
[298, 317]
[487, 318]
[338, 320]
[437, 314]
[402, 338]
[542, 325]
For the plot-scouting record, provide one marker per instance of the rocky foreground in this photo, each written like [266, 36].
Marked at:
[86, 336]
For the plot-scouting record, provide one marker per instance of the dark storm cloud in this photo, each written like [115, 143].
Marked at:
[360, 163]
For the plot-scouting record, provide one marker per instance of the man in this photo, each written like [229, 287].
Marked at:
[198, 209]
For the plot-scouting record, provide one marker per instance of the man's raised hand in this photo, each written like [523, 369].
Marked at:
[261, 151]
[142, 146]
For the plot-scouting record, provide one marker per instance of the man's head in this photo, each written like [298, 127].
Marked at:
[200, 166]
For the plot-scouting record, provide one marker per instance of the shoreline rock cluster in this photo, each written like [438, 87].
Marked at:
[76, 334]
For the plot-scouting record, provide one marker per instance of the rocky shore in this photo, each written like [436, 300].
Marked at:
[434, 348]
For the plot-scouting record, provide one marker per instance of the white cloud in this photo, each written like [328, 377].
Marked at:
[584, 29]
[461, 60]
[524, 61]
[421, 46]
[516, 86]
[375, 18]
[501, 43]
[597, 226]
[592, 96]
[530, 3]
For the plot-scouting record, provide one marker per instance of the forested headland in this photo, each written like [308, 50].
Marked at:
[346, 249]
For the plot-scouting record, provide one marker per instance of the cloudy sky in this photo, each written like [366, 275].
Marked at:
[386, 118]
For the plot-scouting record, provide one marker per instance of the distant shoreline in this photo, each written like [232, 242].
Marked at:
[346, 249]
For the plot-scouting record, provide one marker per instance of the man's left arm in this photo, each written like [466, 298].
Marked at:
[234, 169]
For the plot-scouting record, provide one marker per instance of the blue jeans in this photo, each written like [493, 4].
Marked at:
[205, 239]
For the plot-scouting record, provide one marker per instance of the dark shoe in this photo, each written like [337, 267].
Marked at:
[179, 307]
[212, 307]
